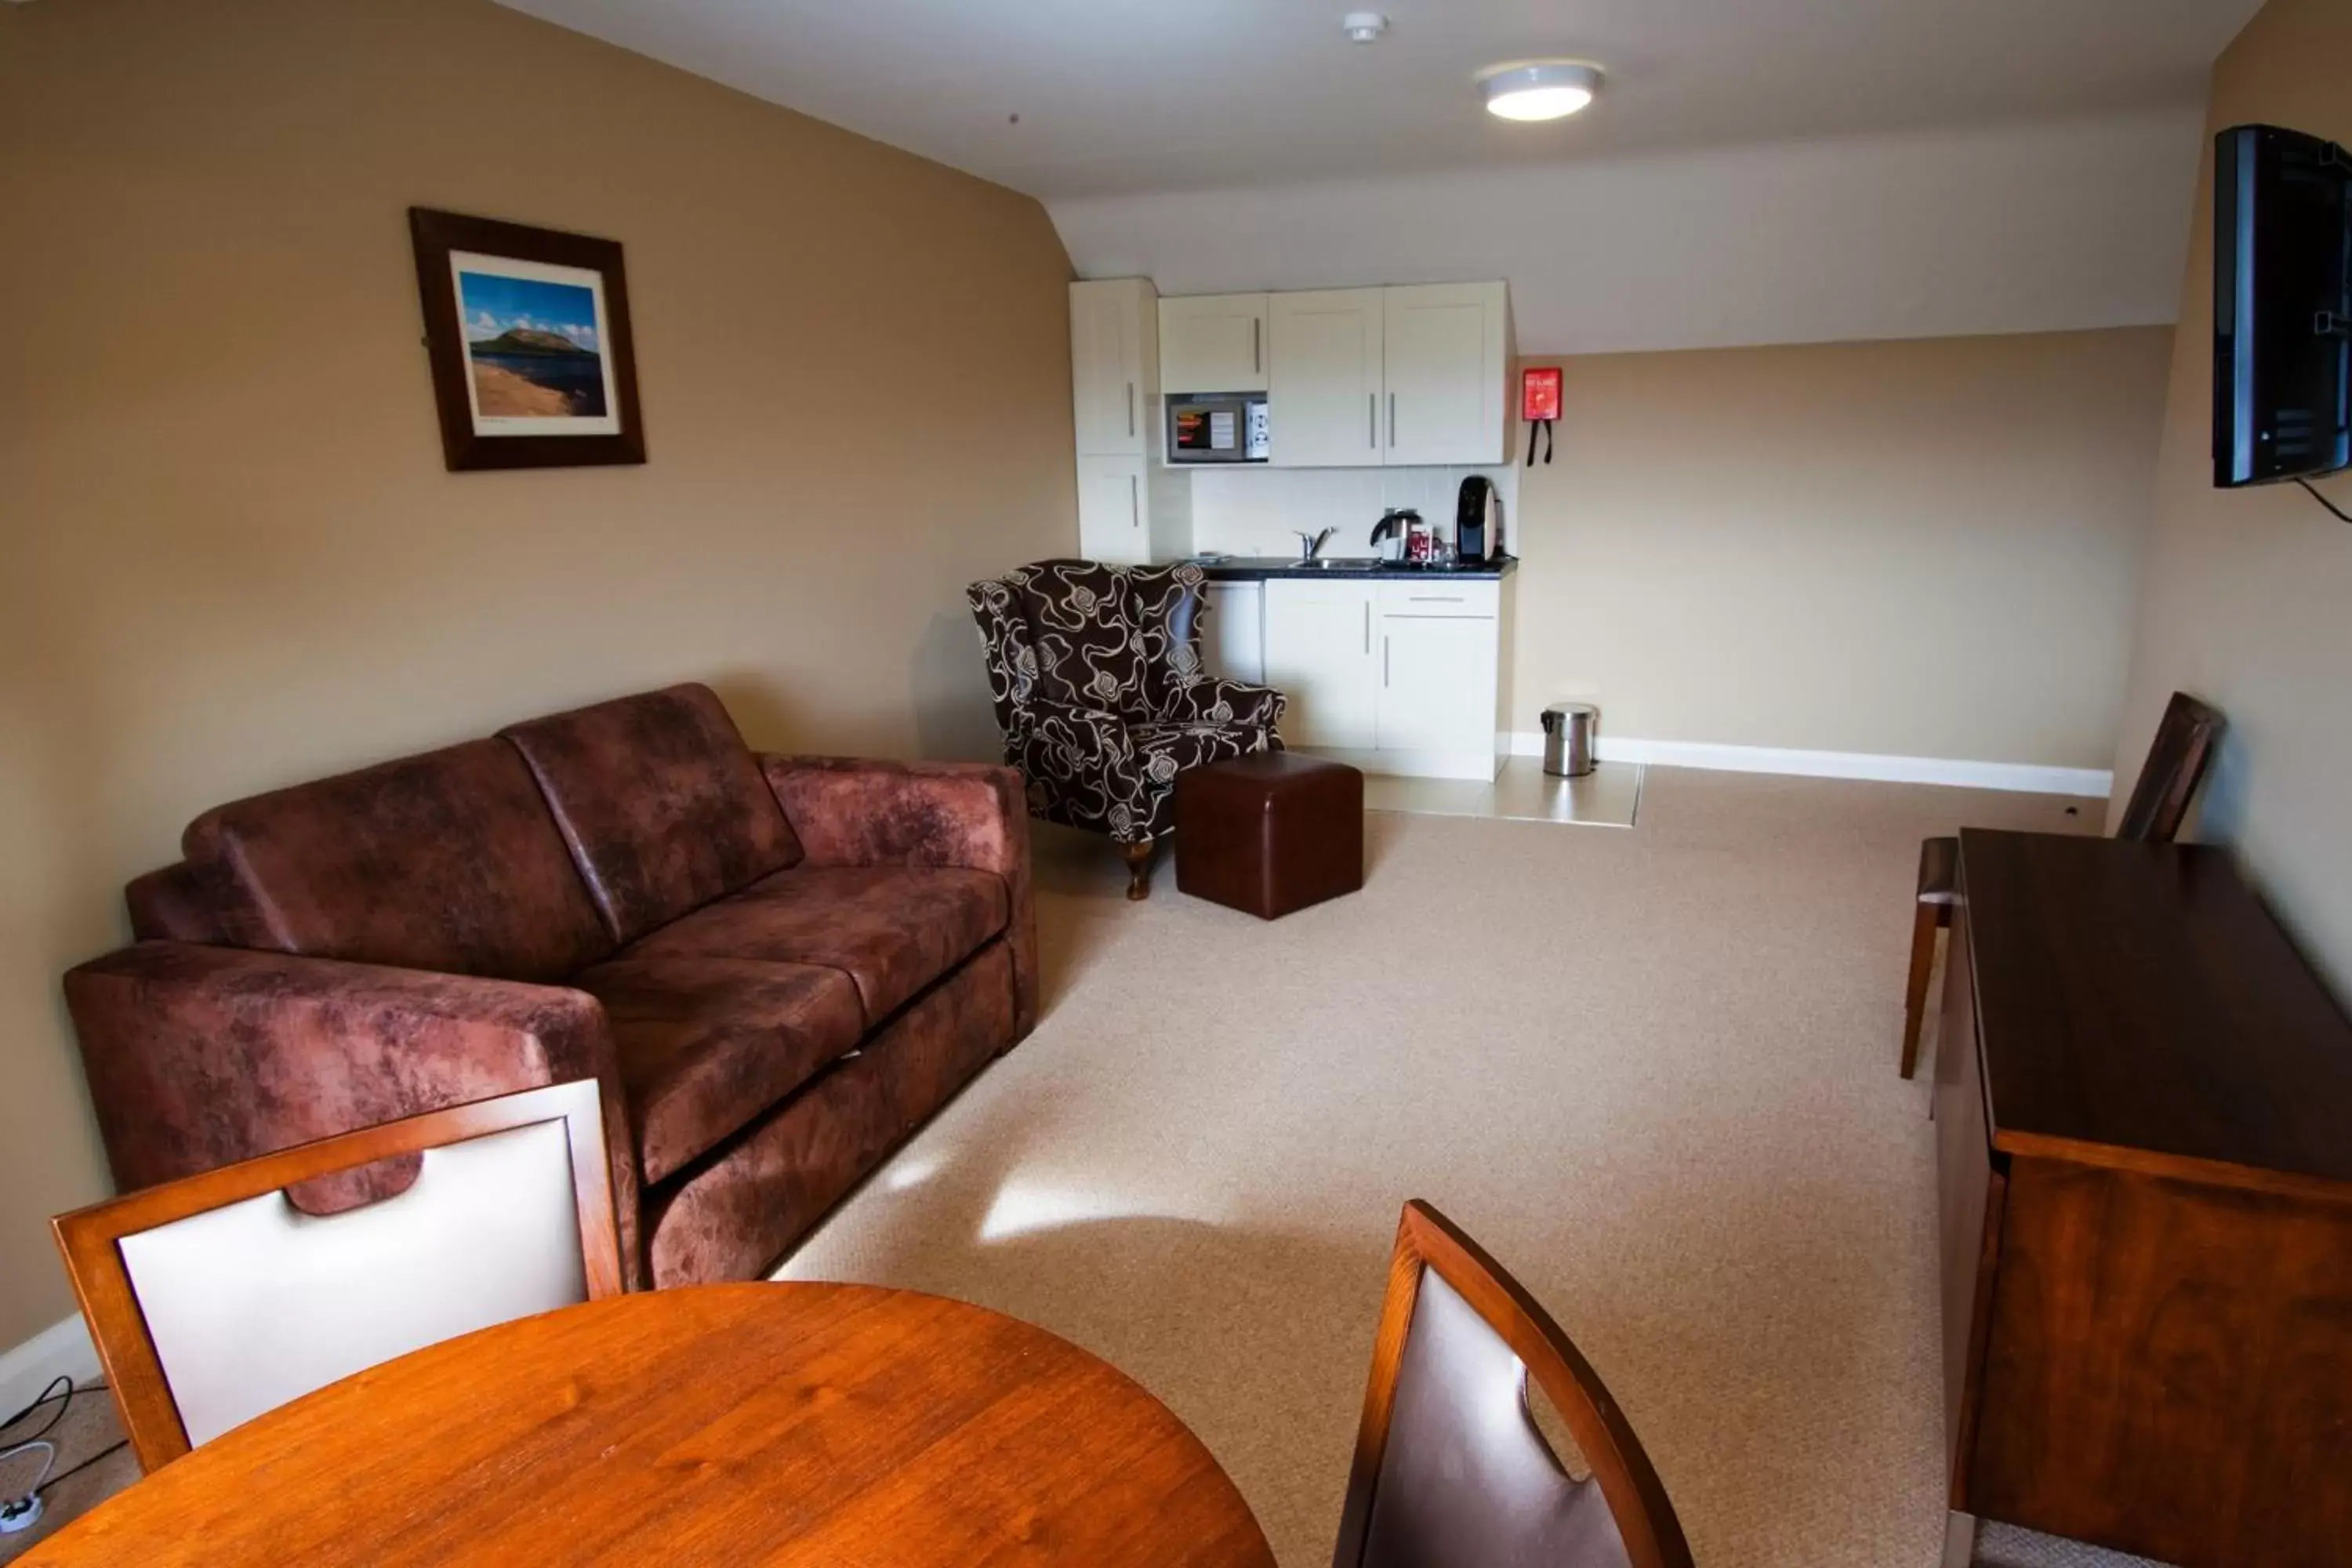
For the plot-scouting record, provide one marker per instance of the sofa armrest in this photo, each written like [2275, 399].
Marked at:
[1214, 700]
[200, 1055]
[851, 811]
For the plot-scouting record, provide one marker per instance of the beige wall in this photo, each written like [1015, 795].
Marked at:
[2247, 600]
[232, 556]
[1918, 548]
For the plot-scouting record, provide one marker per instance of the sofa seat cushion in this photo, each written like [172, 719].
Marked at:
[733, 1215]
[663, 806]
[893, 930]
[1167, 750]
[707, 1045]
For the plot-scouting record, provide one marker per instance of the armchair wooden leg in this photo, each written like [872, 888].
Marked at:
[1924, 925]
[1139, 867]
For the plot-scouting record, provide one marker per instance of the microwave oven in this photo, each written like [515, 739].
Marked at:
[1217, 428]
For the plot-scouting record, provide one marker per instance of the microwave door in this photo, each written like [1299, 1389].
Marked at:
[1206, 430]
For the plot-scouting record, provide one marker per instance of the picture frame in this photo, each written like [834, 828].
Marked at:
[527, 331]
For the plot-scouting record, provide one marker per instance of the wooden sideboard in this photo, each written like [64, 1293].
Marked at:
[2144, 1154]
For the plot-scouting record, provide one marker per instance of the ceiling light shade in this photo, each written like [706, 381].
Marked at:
[1545, 89]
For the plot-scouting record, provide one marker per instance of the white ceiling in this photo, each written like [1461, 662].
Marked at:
[1123, 97]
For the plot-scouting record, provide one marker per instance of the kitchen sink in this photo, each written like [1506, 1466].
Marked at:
[1339, 563]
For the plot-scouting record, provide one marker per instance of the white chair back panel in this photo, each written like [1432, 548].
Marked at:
[256, 1303]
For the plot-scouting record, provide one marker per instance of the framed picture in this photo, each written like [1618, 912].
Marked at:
[528, 332]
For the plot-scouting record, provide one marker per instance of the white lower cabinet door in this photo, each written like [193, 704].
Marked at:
[1232, 642]
[1320, 653]
[1437, 684]
[1114, 511]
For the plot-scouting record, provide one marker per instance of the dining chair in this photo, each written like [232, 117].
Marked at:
[212, 1299]
[2176, 760]
[1451, 1470]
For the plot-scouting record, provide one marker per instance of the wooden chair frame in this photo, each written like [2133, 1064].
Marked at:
[1636, 1498]
[90, 1237]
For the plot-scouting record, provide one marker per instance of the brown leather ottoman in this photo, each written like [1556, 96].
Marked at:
[1269, 833]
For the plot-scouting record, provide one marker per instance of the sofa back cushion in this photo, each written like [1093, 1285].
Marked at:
[1082, 624]
[664, 806]
[446, 861]
[1166, 603]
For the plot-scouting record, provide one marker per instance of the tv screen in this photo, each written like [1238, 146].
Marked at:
[2281, 340]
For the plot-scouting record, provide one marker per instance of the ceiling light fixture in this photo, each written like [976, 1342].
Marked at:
[1539, 90]
[1363, 27]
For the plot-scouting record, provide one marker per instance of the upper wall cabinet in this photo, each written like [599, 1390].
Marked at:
[1323, 402]
[1213, 343]
[1363, 376]
[1447, 353]
[1114, 358]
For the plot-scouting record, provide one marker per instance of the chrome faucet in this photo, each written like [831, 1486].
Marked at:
[1310, 543]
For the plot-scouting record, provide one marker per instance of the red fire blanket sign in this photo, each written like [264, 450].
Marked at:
[1540, 405]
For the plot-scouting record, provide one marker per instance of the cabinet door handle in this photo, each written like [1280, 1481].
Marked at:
[1372, 425]
[1384, 661]
[1436, 598]
[1131, 411]
[1368, 626]
[1135, 501]
[1257, 345]
[1392, 420]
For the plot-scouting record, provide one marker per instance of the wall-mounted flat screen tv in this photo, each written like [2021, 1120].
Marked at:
[2282, 306]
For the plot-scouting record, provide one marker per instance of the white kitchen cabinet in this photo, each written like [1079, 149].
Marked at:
[1213, 343]
[1233, 640]
[1114, 365]
[1445, 374]
[1114, 510]
[1437, 684]
[1394, 675]
[1324, 378]
[1318, 652]
[1410, 375]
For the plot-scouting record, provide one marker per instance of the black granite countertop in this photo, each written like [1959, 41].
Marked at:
[1257, 568]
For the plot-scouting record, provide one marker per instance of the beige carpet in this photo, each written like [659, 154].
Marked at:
[1653, 1071]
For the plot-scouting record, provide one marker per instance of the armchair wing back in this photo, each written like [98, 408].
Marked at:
[1100, 687]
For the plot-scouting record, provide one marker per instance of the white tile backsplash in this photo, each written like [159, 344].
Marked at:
[1258, 511]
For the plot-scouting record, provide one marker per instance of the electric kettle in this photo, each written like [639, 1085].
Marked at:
[1390, 533]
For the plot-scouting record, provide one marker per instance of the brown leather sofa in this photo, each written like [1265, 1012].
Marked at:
[776, 967]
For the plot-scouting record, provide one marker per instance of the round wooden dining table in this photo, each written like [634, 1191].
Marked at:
[843, 1425]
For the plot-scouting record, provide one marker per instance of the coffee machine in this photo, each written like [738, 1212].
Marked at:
[1479, 521]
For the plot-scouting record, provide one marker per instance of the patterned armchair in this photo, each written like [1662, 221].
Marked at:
[1097, 677]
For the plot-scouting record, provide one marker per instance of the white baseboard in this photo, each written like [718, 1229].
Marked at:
[61, 1350]
[2024, 778]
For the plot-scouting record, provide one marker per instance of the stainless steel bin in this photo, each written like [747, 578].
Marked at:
[1568, 730]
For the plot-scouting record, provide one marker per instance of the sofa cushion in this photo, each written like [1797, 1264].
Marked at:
[706, 1044]
[1165, 604]
[893, 930]
[446, 862]
[1167, 750]
[663, 804]
[1083, 628]
[733, 1216]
